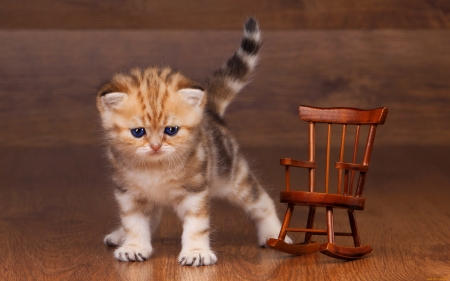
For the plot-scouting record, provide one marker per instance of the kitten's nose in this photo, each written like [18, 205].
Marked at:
[155, 147]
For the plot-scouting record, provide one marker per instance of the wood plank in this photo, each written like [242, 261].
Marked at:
[56, 206]
[197, 14]
[49, 80]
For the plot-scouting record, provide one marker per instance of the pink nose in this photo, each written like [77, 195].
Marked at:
[155, 147]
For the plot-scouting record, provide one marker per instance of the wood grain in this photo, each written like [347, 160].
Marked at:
[197, 14]
[322, 199]
[343, 116]
[56, 206]
[49, 80]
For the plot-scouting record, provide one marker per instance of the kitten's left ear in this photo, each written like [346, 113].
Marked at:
[192, 96]
[113, 100]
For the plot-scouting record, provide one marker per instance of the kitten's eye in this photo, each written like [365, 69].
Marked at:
[171, 131]
[138, 132]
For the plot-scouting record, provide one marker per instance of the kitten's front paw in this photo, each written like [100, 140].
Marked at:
[197, 258]
[115, 238]
[133, 253]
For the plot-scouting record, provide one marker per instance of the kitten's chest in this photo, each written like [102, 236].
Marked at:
[158, 185]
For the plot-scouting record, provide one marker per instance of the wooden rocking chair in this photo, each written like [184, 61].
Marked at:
[344, 197]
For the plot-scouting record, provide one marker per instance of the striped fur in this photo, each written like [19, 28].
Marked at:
[181, 171]
[227, 81]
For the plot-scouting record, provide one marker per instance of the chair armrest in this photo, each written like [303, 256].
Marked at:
[297, 163]
[351, 166]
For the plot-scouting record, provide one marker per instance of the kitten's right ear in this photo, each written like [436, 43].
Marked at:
[113, 100]
[192, 96]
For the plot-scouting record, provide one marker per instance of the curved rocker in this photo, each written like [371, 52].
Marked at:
[344, 253]
[294, 249]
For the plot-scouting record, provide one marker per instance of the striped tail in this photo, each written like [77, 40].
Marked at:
[228, 80]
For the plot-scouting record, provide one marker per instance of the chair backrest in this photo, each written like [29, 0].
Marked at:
[343, 116]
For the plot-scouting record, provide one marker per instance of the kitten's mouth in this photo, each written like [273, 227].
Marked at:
[157, 152]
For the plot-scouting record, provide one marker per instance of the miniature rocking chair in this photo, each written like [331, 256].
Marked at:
[343, 197]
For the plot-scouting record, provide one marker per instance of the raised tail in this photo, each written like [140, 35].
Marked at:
[228, 80]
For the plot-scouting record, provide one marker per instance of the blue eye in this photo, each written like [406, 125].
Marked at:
[171, 131]
[138, 132]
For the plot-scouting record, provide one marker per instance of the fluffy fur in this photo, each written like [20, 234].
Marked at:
[156, 167]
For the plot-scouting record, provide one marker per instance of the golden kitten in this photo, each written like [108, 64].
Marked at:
[169, 146]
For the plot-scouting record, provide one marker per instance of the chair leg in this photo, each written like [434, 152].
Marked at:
[330, 225]
[295, 249]
[286, 221]
[341, 252]
[310, 223]
[354, 227]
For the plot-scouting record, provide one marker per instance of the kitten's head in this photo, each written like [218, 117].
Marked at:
[152, 114]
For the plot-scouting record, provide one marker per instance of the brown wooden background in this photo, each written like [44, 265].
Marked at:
[334, 53]
[54, 55]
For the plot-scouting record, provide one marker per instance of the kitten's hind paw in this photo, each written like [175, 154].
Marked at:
[133, 253]
[115, 238]
[197, 258]
[288, 240]
[263, 241]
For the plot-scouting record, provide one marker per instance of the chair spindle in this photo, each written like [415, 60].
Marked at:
[288, 178]
[327, 171]
[341, 158]
[355, 153]
[366, 159]
[312, 155]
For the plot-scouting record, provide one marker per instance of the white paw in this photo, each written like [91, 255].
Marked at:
[197, 258]
[133, 253]
[263, 240]
[115, 238]
[288, 240]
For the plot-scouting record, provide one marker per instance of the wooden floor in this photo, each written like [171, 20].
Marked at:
[57, 206]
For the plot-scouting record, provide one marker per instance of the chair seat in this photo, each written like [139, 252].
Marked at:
[322, 199]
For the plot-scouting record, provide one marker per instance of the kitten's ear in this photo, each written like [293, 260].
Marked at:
[193, 96]
[113, 100]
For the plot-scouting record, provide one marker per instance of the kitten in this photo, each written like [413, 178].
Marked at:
[169, 146]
